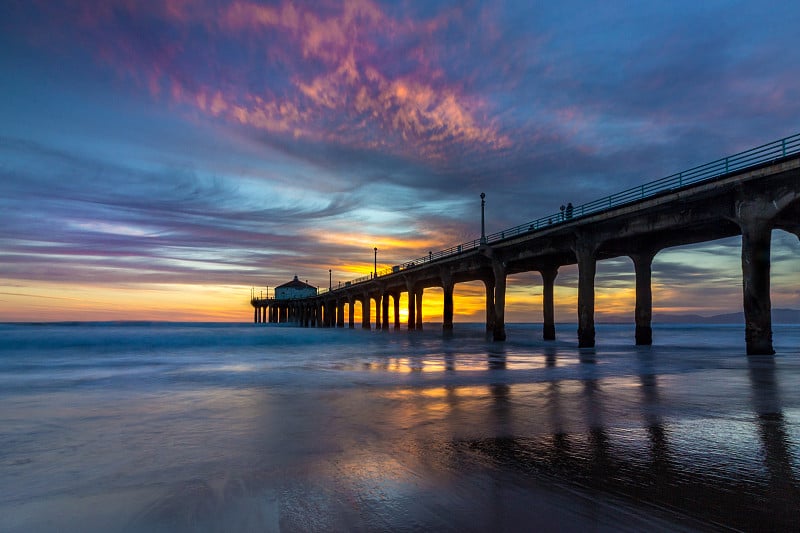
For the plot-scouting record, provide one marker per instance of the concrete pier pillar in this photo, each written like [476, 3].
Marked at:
[255, 315]
[756, 236]
[385, 310]
[447, 311]
[499, 329]
[264, 313]
[418, 301]
[351, 313]
[587, 268]
[548, 312]
[365, 318]
[396, 298]
[378, 308]
[340, 313]
[412, 310]
[642, 264]
[489, 285]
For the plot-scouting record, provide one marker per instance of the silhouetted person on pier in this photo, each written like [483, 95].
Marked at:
[562, 211]
[569, 210]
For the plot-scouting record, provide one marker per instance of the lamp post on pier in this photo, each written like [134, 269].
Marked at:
[330, 279]
[375, 263]
[483, 228]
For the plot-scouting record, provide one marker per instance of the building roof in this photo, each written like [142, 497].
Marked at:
[295, 284]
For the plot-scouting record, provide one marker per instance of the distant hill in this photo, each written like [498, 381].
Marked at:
[779, 316]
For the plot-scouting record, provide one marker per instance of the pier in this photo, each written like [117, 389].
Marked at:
[748, 194]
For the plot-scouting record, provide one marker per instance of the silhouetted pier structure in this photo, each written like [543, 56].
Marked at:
[747, 194]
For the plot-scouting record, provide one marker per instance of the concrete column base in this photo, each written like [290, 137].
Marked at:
[587, 268]
[756, 243]
[548, 313]
[644, 335]
[499, 329]
[447, 311]
[418, 301]
[412, 310]
[489, 285]
[643, 313]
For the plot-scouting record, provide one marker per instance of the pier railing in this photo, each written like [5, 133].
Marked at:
[765, 153]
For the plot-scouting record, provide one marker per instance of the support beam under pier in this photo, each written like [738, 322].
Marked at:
[412, 308]
[340, 313]
[351, 313]
[643, 265]
[490, 318]
[447, 311]
[548, 313]
[499, 329]
[396, 299]
[385, 311]
[365, 319]
[587, 268]
[418, 301]
[756, 236]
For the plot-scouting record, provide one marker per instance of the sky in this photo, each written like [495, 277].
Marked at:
[160, 160]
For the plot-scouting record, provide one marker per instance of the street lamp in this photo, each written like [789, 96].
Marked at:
[483, 228]
[330, 279]
[375, 264]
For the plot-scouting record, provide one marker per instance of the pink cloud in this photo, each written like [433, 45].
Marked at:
[337, 85]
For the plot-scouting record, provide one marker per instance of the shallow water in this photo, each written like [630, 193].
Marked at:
[217, 427]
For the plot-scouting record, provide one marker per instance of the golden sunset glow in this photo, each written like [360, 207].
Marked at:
[64, 302]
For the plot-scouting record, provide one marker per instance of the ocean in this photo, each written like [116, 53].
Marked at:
[244, 427]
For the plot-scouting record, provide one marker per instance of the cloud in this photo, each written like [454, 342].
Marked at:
[223, 141]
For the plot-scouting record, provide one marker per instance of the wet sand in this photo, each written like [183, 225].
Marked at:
[409, 433]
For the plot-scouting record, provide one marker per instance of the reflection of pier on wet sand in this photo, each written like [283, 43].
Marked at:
[639, 460]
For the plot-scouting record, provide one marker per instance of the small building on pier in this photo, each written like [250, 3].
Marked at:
[294, 289]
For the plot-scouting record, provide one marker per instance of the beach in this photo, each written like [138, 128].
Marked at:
[243, 427]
